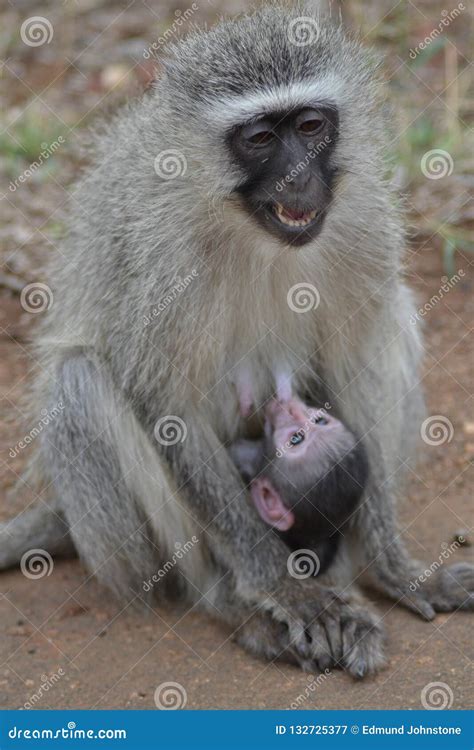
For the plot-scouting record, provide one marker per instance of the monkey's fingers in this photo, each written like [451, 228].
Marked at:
[407, 595]
[452, 588]
[320, 646]
[418, 603]
[363, 642]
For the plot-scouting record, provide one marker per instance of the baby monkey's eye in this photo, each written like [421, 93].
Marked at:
[320, 420]
[296, 438]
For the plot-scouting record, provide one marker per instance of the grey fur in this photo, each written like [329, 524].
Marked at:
[41, 527]
[126, 499]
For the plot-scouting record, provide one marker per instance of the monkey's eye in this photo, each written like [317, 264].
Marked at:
[310, 122]
[258, 134]
[297, 438]
[320, 420]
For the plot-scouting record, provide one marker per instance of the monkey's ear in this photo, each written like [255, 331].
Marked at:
[270, 505]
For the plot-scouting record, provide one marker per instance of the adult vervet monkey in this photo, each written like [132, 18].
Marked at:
[256, 165]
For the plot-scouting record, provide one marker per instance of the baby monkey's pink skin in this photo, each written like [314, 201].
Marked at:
[286, 417]
[284, 421]
[245, 392]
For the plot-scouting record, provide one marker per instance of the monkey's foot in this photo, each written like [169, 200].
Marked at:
[451, 588]
[322, 630]
[363, 640]
[265, 637]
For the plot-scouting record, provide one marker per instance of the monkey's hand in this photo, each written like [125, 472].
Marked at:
[323, 630]
[449, 588]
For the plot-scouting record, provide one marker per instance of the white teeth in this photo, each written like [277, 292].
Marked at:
[291, 222]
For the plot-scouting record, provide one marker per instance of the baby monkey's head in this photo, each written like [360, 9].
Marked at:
[313, 474]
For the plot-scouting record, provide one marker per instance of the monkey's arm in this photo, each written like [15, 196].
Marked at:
[216, 495]
[382, 398]
[258, 561]
[125, 513]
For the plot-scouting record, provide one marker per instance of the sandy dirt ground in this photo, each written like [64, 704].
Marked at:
[102, 655]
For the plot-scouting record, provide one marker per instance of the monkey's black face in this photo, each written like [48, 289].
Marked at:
[289, 176]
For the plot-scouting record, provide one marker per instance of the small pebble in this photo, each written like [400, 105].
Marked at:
[463, 537]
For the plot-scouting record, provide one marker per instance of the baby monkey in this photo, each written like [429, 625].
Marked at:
[306, 475]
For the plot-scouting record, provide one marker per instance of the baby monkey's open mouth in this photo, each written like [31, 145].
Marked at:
[293, 217]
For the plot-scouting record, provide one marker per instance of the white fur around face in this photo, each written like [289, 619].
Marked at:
[328, 89]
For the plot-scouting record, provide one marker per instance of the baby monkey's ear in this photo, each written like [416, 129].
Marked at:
[270, 505]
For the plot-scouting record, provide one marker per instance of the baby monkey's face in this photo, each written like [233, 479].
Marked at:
[299, 432]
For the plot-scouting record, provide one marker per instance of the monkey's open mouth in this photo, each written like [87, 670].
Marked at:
[293, 217]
